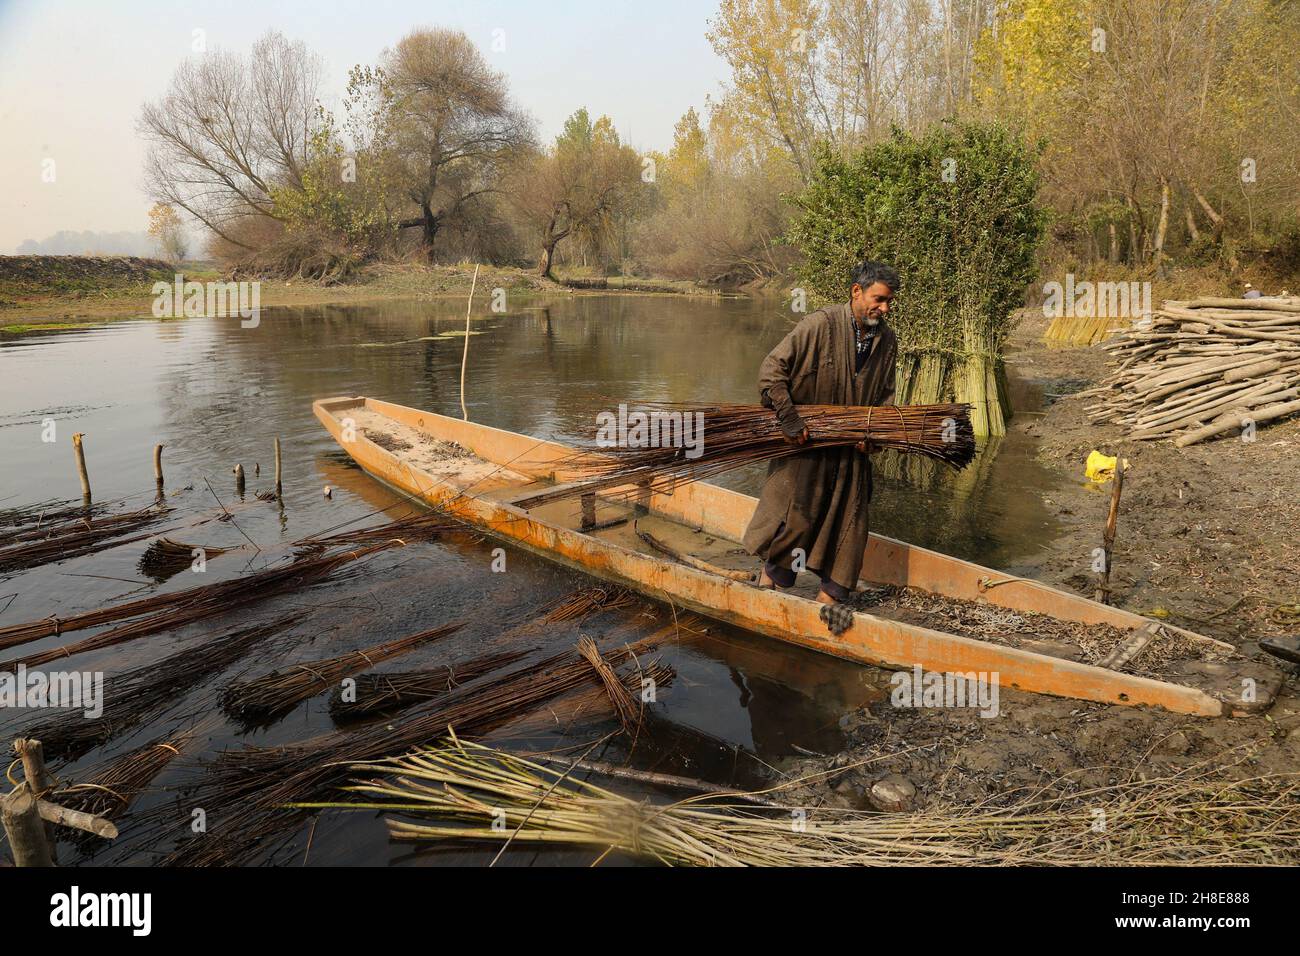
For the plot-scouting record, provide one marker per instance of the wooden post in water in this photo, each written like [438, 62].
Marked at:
[80, 454]
[1108, 537]
[25, 829]
[39, 781]
[157, 466]
[277, 466]
[239, 480]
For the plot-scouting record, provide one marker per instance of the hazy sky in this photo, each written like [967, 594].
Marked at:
[74, 74]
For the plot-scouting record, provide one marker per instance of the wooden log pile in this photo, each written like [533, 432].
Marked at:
[1203, 368]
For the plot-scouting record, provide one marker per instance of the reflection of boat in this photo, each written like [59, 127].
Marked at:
[488, 477]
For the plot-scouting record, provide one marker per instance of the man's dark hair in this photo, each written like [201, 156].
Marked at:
[867, 272]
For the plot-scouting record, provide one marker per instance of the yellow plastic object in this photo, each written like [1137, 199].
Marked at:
[1100, 468]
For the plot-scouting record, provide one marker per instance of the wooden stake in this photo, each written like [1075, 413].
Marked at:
[1108, 537]
[277, 466]
[239, 480]
[80, 453]
[25, 829]
[33, 757]
[464, 359]
[157, 465]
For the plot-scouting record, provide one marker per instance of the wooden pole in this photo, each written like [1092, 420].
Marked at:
[32, 755]
[1108, 537]
[277, 466]
[25, 829]
[80, 454]
[157, 466]
[76, 819]
[239, 480]
[464, 359]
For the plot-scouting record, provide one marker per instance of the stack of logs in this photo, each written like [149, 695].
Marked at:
[1203, 368]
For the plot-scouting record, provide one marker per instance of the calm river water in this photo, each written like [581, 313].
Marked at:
[217, 394]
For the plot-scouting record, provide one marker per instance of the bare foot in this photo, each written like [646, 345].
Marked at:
[826, 598]
[764, 581]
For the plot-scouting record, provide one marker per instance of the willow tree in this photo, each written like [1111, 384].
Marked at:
[956, 213]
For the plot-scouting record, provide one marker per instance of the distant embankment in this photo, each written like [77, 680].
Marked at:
[26, 277]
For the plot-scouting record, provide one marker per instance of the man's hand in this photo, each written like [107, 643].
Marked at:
[799, 439]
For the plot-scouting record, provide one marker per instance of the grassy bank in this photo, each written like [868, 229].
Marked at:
[60, 291]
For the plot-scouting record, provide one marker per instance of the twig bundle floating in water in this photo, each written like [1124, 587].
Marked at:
[1161, 822]
[181, 607]
[733, 436]
[165, 558]
[384, 693]
[33, 548]
[1200, 369]
[137, 696]
[249, 788]
[628, 714]
[111, 791]
[279, 692]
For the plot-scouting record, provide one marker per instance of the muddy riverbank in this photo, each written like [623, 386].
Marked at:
[1206, 541]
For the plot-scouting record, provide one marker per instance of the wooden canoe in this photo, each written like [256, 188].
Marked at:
[680, 544]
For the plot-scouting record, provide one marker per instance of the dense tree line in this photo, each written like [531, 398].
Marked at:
[1165, 130]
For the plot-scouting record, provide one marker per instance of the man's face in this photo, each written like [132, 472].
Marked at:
[872, 303]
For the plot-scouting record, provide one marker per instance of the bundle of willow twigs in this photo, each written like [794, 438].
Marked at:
[165, 558]
[247, 789]
[274, 695]
[1203, 368]
[732, 436]
[136, 696]
[384, 693]
[37, 546]
[1168, 821]
[110, 792]
[177, 609]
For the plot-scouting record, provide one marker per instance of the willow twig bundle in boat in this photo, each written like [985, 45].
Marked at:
[1203, 368]
[1166, 821]
[275, 694]
[732, 436]
[383, 693]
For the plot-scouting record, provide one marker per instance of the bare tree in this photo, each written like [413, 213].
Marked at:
[448, 122]
[230, 131]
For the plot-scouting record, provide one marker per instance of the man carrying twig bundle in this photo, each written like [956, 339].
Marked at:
[813, 507]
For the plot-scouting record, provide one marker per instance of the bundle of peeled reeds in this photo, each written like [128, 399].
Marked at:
[1179, 820]
[1203, 368]
[384, 693]
[732, 436]
[274, 695]
[136, 696]
[247, 789]
[18, 521]
[43, 545]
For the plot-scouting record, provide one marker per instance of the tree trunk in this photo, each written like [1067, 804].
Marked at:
[1113, 253]
[429, 229]
[1162, 226]
[1193, 233]
[548, 255]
